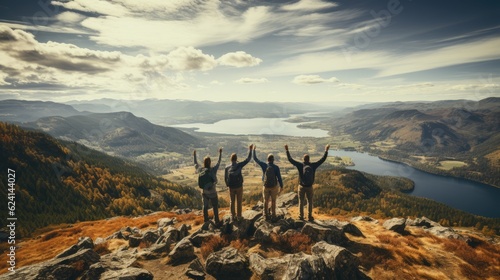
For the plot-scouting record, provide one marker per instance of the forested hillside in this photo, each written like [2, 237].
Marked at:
[62, 182]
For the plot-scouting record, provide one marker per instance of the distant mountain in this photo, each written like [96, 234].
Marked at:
[61, 182]
[463, 130]
[18, 111]
[166, 112]
[119, 133]
[442, 127]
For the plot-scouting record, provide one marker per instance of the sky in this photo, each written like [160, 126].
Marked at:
[298, 51]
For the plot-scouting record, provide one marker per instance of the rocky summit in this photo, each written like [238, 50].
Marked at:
[255, 248]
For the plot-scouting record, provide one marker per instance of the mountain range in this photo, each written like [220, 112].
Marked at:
[119, 133]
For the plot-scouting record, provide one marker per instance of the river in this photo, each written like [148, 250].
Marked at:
[466, 195]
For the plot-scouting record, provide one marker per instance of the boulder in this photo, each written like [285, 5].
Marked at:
[330, 234]
[131, 273]
[83, 243]
[345, 227]
[263, 232]
[422, 222]
[198, 238]
[396, 225]
[288, 199]
[150, 237]
[182, 252]
[303, 266]
[364, 219]
[67, 267]
[134, 241]
[227, 263]
[447, 232]
[342, 263]
[267, 269]
[195, 270]
[171, 235]
[164, 222]
[183, 231]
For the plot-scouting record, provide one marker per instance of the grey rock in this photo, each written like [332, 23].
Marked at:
[183, 231]
[196, 270]
[182, 252]
[364, 219]
[264, 231]
[59, 268]
[267, 269]
[422, 222]
[346, 227]
[342, 263]
[330, 234]
[288, 199]
[164, 222]
[302, 266]
[396, 224]
[227, 263]
[198, 238]
[150, 237]
[83, 243]
[447, 232]
[131, 273]
[134, 241]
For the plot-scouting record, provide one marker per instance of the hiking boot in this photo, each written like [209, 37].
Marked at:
[274, 219]
[301, 218]
[310, 219]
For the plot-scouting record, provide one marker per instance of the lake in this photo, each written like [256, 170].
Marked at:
[255, 126]
[466, 195]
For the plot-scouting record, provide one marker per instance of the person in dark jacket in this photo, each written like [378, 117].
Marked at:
[307, 171]
[273, 184]
[234, 180]
[209, 193]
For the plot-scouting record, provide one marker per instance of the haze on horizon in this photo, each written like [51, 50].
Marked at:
[293, 51]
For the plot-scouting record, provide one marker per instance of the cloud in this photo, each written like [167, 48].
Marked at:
[215, 82]
[309, 5]
[312, 79]
[189, 58]
[93, 6]
[70, 17]
[251, 81]
[239, 59]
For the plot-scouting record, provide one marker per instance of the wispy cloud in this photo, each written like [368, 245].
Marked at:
[251, 81]
[313, 79]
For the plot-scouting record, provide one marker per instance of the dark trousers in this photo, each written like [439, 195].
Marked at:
[215, 204]
[305, 192]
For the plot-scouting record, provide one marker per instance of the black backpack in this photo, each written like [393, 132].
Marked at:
[307, 176]
[270, 177]
[234, 178]
[205, 178]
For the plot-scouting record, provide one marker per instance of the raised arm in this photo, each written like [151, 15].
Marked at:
[196, 166]
[319, 162]
[216, 166]
[260, 163]
[249, 157]
[290, 159]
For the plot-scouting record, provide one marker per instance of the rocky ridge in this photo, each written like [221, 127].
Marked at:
[175, 243]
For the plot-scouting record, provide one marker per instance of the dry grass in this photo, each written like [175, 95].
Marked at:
[481, 262]
[214, 244]
[55, 239]
[292, 244]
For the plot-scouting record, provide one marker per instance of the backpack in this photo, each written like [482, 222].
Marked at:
[234, 177]
[307, 176]
[270, 177]
[205, 178]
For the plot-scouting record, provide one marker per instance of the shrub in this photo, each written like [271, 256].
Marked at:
[214, 244]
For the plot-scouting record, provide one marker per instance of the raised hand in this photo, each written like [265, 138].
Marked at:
[286, 147]
[254, 147]
[194, 153]
[220, 150]
[327, 147]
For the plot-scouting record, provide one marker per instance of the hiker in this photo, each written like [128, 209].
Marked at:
[207, 180]
[307, 171]
[271, 177]
[234, 180]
